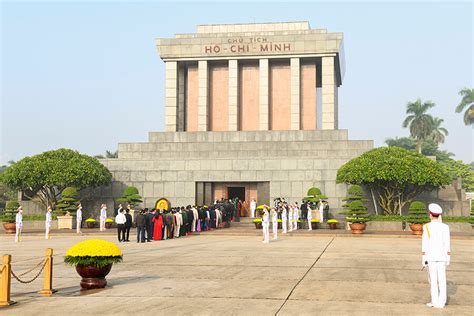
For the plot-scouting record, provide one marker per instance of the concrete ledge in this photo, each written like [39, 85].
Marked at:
[35, 225]
[454, 227]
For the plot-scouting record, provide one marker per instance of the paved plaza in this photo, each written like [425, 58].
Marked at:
[238, 275]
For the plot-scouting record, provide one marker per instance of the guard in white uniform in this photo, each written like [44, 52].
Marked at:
[103, 217]
[296, 216]
[253, 207]
[321, 211]
[290, 219]
[284, 219]
[266, 226]
[18, 224]
[274, 223]
[78, 219]
[436, 254]
[309, 217]
[49, 220]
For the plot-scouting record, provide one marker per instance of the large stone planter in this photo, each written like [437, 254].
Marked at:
[357, 228]
[417, 229]
[10, 228]
[65, 222]
[92, 276]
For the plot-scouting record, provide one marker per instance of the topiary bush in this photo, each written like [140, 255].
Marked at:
[356, 213]
[130, 196]
[68, 202]
[9, 216]
[417, 213]
[471, 218]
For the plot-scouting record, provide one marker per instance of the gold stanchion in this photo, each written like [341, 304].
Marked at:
[6, 281]
[48, 274]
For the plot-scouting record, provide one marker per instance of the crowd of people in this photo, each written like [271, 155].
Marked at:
[156, 224]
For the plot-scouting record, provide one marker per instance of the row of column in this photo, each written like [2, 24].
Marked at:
[175, 95]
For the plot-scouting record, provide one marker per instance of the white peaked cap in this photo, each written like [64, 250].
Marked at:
[435, 208]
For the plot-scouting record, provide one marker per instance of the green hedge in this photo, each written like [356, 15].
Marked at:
[398, 218]
[38, 217]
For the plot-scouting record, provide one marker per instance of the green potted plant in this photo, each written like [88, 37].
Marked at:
[93, 260]
[417, 216]
[130, 196]
[66, 208]
[314, 223]
[108, 223]
[332, 223]
[258, 223]
[9, 217]
[90, 222]
[357, 216]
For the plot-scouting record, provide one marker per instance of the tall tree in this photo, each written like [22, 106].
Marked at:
[438, 133]
[467, 102]
[419, 121]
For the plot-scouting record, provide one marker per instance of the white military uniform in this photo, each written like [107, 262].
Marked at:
[253, 207]
[321, 212]
[275, 224]
[49, 220]
[309, 217]
[284, 219]
[103, 218]
[179, 222]
[195, 219]
[78, 219]
[18, 225]
[436, 251]
[266, 227]
[296, 216]
[290, 219]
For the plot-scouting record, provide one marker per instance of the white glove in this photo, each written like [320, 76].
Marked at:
[448, 260]
[424, 262]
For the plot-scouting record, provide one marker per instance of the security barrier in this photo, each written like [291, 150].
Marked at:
[7, 272]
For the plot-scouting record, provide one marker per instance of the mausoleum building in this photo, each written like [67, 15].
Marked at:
[251, 110]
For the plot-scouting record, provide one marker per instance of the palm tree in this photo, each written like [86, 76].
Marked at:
[418, 121]
[111, 154]
[438, 133]
[467, 101]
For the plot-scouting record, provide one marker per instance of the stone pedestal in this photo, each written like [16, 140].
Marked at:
[65, 222]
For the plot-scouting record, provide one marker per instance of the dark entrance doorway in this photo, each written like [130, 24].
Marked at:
[233, 192]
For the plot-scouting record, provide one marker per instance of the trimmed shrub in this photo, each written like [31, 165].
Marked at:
[130, 196]
[68, 202]
[417, 213]
[11, 208]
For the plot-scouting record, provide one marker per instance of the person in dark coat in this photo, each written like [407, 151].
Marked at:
[128, 224]
[140, 222]
[149, 225]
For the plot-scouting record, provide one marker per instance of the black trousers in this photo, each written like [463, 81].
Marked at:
[127, 233]
[121, 232]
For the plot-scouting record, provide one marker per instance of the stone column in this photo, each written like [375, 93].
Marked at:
[181, 111]
[263, 94]
[171, 96]
[295, 93]
[329, 94]
[202, 95]
[233, 95]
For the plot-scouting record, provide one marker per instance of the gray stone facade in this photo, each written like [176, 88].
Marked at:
[171, 164]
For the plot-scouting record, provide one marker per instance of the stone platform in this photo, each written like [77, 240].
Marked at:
[286, 163]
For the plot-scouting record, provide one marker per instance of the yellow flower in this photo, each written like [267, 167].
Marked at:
[94, 248]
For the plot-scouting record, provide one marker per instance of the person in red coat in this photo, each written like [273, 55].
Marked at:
[158, 225]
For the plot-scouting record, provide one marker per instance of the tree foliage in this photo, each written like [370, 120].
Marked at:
[314, 195]
[354, 207]
[417, 213]
[10, 211]
[467, 102]
[418, 121]
[428, 147]
[130, 196]
[396, 175]
[45, 175]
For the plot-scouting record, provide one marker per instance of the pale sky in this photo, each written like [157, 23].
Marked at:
[87, 75]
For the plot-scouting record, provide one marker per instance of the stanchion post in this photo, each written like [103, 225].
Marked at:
[48, 274]
[6, 281]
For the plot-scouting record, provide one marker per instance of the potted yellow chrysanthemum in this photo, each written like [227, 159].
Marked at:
[93, 260]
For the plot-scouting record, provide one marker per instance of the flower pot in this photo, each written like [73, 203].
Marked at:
[357, 228]
[332, 225]
[93, 277]
[280, 225]
[417, 229]
[258, 225]
[108, 225]
[90, 224]
[10, 228]
[314, 225]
